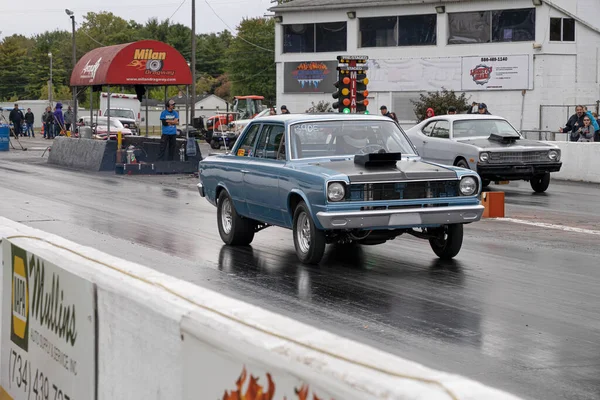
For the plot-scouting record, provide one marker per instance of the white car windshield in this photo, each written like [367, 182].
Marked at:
[482, 128]
[121, 114]
[345, 138]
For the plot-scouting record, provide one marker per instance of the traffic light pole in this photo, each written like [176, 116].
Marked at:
[352, 80]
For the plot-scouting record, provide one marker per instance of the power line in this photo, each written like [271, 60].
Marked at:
[233, 30]
[175, 12]
[252, 76]
[86, 34]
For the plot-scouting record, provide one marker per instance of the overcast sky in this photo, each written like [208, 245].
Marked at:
[37, 16]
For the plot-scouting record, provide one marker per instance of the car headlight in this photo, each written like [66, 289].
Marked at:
[468, 186]
[484, 157]
[336, 191]
[554, 155]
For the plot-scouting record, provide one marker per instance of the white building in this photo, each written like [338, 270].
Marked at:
[541, 53]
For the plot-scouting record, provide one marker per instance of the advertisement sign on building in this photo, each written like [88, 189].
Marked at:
[309, 76]
[48, 339]
[495, 73]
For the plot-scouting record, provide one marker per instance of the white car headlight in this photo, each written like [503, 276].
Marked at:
[336, 191]
[468, 186]
[484, 157]
[554, 155]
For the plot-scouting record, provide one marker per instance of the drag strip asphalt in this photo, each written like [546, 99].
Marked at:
[518, 309]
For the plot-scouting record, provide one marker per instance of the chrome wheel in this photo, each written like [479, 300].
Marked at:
[226, 216]
[303, 232]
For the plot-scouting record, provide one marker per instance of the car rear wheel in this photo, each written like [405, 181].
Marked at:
[233, 229]
[309, 241]
[540, 183]
[215, 144]
[448, 242]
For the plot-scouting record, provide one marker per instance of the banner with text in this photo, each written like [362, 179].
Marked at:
[48, 343]
[309, 76]
[495, 73]
[452, 73]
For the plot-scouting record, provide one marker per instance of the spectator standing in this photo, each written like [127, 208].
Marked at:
[429, 113]
[59, 121]
[483, 109]
[451, 110]
[574, 123]
[16, 117]
[386, 113]
[48, 123]
[586, 133]
[168, 138]
[597, 134]
[474, 108]
[284, 109]
[68, 118]
[29, 119]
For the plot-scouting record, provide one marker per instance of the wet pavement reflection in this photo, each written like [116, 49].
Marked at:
[517, 309]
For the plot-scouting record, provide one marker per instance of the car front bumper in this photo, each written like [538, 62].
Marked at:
[201, 190]
[515, 171]
[410, 217]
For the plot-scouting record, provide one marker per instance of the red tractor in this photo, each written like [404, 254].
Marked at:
[244, 107]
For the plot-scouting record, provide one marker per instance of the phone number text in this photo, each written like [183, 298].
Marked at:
[20, 373]
[492, 59]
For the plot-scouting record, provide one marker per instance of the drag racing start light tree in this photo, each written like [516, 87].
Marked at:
[352, 83]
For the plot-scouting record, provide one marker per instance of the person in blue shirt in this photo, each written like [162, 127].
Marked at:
[170, 120]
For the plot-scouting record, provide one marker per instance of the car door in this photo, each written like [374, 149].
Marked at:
[439, 147]
[422, 138]
[234, 168]
[261, 180]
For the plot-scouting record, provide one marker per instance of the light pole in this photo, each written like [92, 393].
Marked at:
[50, 82]
[74, 88]
[193, 102]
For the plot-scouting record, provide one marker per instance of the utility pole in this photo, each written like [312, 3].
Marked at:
[50, 82]
[193, 66]
[74, 88]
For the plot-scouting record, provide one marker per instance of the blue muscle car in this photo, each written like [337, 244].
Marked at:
[337, 178]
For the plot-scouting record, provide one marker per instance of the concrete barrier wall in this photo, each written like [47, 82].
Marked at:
[84, 154]
[581, 162]
[162, 338]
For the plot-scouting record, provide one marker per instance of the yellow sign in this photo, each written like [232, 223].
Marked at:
[19, 333]
[241, 152]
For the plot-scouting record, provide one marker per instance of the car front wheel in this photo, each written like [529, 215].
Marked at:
[233, 229]
[308, 240]
[448, 241]
[540, 183]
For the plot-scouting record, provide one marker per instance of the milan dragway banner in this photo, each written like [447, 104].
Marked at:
[48, 330]
[309, 76]
[452, 73]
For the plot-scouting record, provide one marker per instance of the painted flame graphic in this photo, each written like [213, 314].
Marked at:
[257, 392]
[138, 64]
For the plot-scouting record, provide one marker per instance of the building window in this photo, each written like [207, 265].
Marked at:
[562, 30]
[516, 25]
[308, 38]
[417, 30]
[331, 36]
[409, 30]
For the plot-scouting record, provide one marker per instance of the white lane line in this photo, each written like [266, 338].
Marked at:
[549, 226]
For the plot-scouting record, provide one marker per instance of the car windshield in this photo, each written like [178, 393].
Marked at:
[344, 138]
[121, 114]
[482, 128]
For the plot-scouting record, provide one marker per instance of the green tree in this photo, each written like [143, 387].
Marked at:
[15, 66]
[321, 107]
[439, 101]
[211, 53]
[251, 59]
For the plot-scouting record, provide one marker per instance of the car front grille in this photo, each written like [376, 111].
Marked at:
[525, 156]
[403, 190]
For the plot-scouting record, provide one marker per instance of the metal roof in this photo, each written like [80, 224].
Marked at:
[309, 5]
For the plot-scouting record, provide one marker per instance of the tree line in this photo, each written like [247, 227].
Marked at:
[226, 64]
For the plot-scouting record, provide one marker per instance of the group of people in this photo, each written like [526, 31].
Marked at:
[476, 108]
[54, 122]
[583, 126]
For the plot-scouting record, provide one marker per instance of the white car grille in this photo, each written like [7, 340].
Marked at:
[525, 156]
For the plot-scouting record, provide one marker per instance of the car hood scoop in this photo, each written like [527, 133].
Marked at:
[504, 137]
[386, 170]
[377, 159]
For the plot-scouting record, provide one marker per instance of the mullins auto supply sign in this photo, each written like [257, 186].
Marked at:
[48, 330]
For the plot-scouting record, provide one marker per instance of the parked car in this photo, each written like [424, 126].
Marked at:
[100, 130]
[337, 179]
[489, 145]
